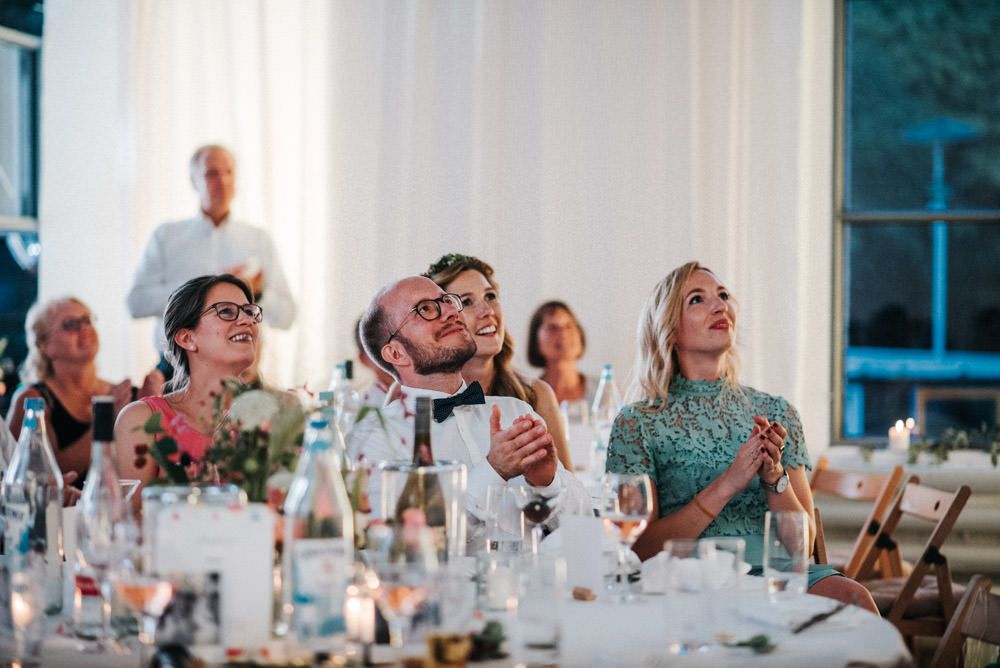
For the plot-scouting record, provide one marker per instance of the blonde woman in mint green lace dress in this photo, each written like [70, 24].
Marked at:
[719, 454]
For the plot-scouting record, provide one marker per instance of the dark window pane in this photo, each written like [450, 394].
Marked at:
[18, 290]
[974, 287]
[888, 302]
[916, 72]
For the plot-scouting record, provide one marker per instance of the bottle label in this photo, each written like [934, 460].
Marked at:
[87, 604]
[18, 516]
[319, 579]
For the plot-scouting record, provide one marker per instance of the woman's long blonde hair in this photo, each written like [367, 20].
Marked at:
[656, 356]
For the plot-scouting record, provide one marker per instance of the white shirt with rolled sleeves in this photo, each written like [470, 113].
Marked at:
[181, 250]
[464, 437]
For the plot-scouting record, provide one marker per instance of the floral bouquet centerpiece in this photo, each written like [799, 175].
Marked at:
[259, 436]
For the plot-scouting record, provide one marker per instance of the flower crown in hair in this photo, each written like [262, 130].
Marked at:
[446, 261]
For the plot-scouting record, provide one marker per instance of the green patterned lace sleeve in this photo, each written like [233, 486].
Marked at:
[627, 451]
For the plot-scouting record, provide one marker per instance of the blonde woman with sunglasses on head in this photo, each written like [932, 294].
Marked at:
[61, 369]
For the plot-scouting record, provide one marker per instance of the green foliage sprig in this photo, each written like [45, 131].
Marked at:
[985, 439]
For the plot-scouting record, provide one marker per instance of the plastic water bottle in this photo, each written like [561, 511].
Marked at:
[99, 512]
[607, 404]
[319, 545]
[346, 400]
[32, 492]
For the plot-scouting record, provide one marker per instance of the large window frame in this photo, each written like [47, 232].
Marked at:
[19, 223]
[845, 358]
[26, 222]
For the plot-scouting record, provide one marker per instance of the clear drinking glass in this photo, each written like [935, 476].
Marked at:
[537, 507]
[536, 635]
[625, 507]
[786, 552]
[691, 567]
[504, 524]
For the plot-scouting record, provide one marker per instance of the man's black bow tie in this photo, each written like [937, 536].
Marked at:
[472, 395]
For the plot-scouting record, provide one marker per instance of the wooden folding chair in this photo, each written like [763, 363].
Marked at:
[921, 603]
[819, 545]
[878, 488]
[977, 616]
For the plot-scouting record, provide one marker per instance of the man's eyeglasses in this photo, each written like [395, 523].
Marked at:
[76, 324]
[230, 311]
[429, 309]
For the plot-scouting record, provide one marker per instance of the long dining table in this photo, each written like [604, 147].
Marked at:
[604, 632]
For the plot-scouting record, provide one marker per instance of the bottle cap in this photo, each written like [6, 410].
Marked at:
[104, 418]
[349, 369]
[34, 404]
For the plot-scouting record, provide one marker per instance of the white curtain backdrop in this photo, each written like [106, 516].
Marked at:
[584, 149]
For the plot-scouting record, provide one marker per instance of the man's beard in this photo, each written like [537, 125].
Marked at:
[429, 360]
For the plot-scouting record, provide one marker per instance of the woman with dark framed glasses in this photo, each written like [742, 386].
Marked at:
[212, 327]
[61, 369]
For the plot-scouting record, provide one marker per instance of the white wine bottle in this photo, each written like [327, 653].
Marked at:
[99, 511]
[421, 502]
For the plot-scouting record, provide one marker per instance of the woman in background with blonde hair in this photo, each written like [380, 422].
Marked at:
[492, 365]
[61, 369]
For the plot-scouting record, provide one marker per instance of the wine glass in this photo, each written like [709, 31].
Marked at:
[143, 590]
[625, 507]
[404, 567]
[537, 507]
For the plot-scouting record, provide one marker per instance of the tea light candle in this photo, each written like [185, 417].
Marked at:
[20, 610]
[899, 436]
[359, 615]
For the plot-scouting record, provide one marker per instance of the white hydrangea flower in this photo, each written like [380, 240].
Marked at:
[253, 409]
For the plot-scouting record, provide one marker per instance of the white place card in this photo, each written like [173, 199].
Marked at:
[238, 544]
[583, 538]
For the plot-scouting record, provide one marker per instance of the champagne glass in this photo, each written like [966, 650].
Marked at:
[537, 507]
[625, 507]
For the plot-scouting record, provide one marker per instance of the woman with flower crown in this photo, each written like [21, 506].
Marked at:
[211, 326]
[472, 280]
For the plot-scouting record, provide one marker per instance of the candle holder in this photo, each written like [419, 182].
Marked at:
[28, 620]
[359, 618]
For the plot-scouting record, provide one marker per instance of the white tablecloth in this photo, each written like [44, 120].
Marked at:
[598, 633]
[605, 633]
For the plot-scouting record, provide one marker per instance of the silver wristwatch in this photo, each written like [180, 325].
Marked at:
[779, 486]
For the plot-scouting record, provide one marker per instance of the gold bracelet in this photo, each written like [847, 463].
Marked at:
[703, 508]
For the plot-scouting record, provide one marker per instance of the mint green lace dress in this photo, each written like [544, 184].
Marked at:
[693, 441]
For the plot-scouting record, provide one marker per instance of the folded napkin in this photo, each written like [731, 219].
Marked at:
[788, 612]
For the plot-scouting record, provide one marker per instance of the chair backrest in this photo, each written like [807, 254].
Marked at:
[977, 616]
[878, 488]
[819, 545]
[935, 507]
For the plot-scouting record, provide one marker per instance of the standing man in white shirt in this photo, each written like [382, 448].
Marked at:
[210, 243]
[417, 333]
